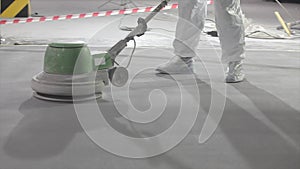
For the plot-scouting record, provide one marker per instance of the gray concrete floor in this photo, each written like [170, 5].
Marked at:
[259, 129]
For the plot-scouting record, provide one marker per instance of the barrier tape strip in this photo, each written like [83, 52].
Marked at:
[88, 15]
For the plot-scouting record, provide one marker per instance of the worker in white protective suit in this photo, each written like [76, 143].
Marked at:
[229, 21]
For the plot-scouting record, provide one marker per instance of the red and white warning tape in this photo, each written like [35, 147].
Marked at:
[88, 15]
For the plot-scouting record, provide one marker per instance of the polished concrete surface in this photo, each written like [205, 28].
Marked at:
[259, 128]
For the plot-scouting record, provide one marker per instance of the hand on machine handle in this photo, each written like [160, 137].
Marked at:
[139, 30]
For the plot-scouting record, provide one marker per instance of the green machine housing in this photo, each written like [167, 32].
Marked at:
[70, 73]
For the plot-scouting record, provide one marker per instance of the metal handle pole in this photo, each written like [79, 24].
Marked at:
[138, 31]
[156, 10]
[142, 27]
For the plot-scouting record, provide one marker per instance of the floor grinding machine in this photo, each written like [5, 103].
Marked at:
[70, 67]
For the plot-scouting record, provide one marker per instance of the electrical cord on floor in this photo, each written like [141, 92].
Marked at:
[259, 31]
[120, 22]
[213, 33]
[127, 28]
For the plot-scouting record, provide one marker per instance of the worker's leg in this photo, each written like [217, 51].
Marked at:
[190, 23]
[229, 20]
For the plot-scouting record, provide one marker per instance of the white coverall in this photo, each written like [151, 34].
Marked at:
[229, 21]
